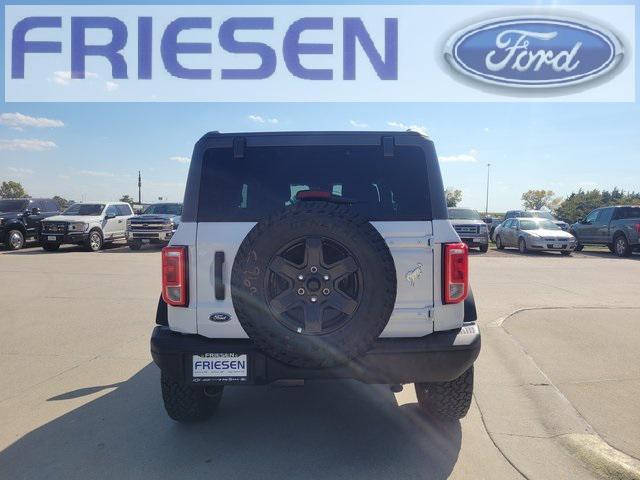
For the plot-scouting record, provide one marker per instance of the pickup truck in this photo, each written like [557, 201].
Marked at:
[21, 218]
[617, 227]
[156, 225]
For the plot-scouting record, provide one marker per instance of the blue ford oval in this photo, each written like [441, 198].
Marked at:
[534, 52]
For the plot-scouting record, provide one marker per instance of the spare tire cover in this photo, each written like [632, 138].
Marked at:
[314, 285]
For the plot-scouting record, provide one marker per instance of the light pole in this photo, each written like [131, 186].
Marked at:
[486, 205]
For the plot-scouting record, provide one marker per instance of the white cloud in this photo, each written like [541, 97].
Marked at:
[93, 173]
[356, 124]
[111, 86]
[179, 159]
[19, 121]
[29, 144]
[63, 176]
[471, 156]
[64, 77]
[261, 119]
[20, 171]
[415, 128]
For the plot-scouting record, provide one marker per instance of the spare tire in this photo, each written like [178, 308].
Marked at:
[314, 285]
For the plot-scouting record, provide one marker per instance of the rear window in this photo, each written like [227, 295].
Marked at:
[267, 179]
[627, 212]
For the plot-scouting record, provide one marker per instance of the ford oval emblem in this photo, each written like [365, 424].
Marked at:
[220, 317]
[533, 52]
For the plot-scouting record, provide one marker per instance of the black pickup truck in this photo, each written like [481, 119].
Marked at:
[616, 227]
[20, 219]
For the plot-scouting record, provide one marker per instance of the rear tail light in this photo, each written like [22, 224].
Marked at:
[638, 228]
[456, 272]
[174, 276]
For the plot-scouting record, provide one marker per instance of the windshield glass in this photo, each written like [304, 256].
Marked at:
[463, 214]
[164, 209]
[539, 214]
[85, 209]
[13, 205]
[538, 225]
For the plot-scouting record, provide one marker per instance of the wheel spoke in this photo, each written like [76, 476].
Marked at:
[341, 302]
[313, 252]
[285, 301]
[283, 267]
[343, 267]
[312, 318]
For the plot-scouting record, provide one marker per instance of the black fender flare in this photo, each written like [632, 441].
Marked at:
[470, 312]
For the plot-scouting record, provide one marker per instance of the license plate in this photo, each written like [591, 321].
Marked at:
[145, 240]
[219, 365]
[51, 238]
[557, 245]
[478, 240]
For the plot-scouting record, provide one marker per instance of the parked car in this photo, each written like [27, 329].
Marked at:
[492, 223]
[157, 224]
[20, 219]
[536, 214]
[470, 227]
[315, 255]
[616, 227]
[534, 234]
[91, 224]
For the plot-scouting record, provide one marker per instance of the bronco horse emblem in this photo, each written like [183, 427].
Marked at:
[412, 276]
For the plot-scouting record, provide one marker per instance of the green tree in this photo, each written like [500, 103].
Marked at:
[580, 203]
[12, 189]
[128, 199]
[454, 197]
[62, 202]
[536, 199]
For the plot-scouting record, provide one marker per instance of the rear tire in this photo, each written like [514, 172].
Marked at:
[484, 248]
[50, 247]
[187, 404]
[621, 246]
[447, 400]
[499, 244]
[14, 240]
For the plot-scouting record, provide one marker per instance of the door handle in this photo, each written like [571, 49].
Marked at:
[217, 272]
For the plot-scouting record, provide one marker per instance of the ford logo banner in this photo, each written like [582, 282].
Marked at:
[538, 52]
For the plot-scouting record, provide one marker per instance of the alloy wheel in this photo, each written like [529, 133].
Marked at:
[16, 240]
[314, 286]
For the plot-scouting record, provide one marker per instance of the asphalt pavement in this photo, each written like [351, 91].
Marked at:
[79, 396]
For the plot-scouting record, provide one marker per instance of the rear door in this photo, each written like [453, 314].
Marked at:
[391, 191]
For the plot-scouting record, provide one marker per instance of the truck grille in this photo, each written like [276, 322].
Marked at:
[54, 227]
[147, 226]
[466, 229]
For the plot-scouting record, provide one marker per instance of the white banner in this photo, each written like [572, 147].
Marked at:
[319, 53]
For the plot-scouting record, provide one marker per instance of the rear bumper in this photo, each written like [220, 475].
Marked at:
[440, 356]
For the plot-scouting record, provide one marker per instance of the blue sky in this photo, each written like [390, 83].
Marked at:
[94, 151]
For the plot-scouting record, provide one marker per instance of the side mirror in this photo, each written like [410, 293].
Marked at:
[487, 220]
[109, 216]
[35, 211]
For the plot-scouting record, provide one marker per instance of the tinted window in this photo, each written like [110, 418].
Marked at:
[463, 214]
[124, 210]
[267, 179]
[591, 218]
[50, 206]
[627, 212]
[605, 215]
[13, 205]
[84, 209]
[164, 209]
[112, 210]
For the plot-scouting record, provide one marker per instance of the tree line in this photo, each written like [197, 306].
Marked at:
[570, 209]
[13, 189]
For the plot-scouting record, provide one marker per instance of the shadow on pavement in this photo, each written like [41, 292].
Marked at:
[322, 430]
[634, 256]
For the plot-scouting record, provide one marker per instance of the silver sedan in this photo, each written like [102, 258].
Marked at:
[530, 234]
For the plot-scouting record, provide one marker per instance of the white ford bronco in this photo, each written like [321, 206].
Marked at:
[315, 256]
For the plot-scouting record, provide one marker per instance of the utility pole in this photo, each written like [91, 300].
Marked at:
[486, 205]
[139, 188]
